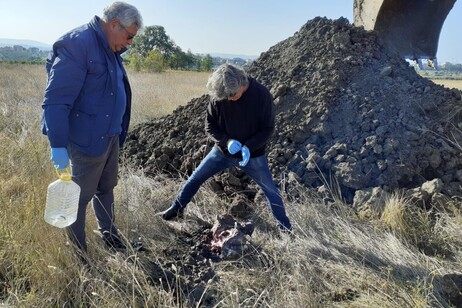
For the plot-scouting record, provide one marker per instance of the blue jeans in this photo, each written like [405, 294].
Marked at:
[257, 169]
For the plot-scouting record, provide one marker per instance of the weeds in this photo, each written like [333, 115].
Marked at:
[331, 260]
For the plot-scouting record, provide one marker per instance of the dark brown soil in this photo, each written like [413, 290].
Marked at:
[348, 112]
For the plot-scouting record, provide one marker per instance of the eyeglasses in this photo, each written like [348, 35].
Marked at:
[130, 36]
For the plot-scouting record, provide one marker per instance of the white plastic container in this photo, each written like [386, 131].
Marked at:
[62, 201]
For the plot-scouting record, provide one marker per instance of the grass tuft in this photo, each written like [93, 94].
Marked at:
[332, 260]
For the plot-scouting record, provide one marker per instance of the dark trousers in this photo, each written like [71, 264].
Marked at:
[97, 177]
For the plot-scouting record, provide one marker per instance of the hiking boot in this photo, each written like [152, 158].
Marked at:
[172, 212]
[113, 241]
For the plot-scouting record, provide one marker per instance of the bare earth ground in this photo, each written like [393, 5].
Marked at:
[333, 260]
[354, 123]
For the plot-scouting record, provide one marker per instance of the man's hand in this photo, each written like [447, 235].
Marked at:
[60, 158]
[245, 156]
[234, 146]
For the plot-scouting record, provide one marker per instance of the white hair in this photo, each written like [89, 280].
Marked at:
[126, 13]
[226, 81]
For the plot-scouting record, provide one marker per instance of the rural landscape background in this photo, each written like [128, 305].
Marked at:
[334, 258]
[407, 256]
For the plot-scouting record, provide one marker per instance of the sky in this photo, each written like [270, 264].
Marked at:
[238, 27]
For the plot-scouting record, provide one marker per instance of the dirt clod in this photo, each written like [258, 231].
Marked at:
[348, 112]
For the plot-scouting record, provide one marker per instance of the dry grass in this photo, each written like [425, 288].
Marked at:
[449, 83]
[333, 260]
[159, 94]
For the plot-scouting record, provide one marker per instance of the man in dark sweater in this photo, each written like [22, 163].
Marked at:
[240, 120]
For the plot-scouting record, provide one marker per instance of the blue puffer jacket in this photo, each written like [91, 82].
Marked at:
[79, 100]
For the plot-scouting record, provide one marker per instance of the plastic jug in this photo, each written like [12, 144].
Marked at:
[62, 201]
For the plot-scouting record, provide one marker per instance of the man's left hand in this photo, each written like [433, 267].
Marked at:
[245, 156]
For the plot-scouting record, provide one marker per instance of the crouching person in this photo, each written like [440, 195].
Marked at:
[240, 120]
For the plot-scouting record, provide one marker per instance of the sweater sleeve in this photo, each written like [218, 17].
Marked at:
[65, 80]
[266, 123]
[212, 128]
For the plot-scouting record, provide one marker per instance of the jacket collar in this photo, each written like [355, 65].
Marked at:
[95, 24]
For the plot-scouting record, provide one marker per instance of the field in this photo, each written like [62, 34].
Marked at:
[333, 260]
[449, 83]
[157, 95]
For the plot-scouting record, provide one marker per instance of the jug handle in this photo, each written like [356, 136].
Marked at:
[65, 169]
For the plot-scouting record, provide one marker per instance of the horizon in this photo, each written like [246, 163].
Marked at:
[201, 27]
[213, 54]
[42, 46]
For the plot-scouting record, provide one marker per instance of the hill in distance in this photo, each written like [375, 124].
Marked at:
[229, 56]
[4, 42]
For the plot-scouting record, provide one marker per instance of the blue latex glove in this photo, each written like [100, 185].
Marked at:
[234, 146]
[60, 158]
[245, 156]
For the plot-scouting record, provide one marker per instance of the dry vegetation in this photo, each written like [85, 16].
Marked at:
[159, 94]
[449, 83]
[333, 260]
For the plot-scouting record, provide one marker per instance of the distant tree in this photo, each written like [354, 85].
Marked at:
[453, 67]
[195, 61]
[154, 62]
[21, 54]
[182, 61]
[206, 63]
[154, 38]
[153, 50]
[135, 61]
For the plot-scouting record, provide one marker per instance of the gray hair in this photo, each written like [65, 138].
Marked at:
[226, 81]
[126, 13]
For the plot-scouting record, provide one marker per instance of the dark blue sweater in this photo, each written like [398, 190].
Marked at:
[250, 120]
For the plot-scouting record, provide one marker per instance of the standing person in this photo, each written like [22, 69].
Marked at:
[86, 112]
[240, 120]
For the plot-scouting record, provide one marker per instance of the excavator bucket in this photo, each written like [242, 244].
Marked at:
[410, 27]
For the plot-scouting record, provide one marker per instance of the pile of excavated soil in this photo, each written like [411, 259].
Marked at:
[348, 111]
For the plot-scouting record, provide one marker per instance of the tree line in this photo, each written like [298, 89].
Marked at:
[22, 54]
[452, 67]
[154, 51]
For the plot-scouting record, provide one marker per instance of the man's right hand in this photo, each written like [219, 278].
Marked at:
[234, 146]
[60, 158]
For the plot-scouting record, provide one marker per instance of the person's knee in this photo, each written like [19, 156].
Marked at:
[106, 187]
[271, 191]
[196, 180]
[76, 232]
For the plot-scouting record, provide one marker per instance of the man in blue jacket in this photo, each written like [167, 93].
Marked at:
[86, 112]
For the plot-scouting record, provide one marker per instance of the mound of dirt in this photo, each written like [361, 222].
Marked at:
[348, 111]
